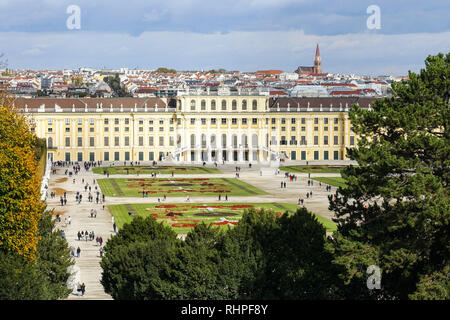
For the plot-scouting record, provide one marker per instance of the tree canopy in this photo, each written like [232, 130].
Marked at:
[395, 210]
[20, 204]
[148, 262]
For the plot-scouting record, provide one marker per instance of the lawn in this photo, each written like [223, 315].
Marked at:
[313, 169]
[334, 181]
[176, 187]
[182, 217]
[133, 170]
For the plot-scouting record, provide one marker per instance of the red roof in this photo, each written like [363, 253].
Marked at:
[277, 93]
[272, 72]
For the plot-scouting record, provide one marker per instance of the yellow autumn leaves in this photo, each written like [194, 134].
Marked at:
[20, 204]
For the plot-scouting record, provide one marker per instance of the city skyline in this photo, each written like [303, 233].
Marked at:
[245, 35]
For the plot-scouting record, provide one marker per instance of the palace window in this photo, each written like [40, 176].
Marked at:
[224, 104]
[254, 105]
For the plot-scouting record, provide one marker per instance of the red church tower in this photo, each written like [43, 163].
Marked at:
[312, 70]
[317, 61]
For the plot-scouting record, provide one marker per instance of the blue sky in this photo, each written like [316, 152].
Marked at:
[246, 35]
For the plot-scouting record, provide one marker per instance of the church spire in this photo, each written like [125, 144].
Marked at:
[317, 61]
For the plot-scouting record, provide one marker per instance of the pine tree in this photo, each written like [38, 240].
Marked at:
[395, 210]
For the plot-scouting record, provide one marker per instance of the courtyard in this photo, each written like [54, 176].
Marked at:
[258, 187]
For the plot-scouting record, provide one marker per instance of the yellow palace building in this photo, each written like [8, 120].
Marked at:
[193, 127]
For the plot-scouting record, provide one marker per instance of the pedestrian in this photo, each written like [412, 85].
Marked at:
[226, 197]
[101, 251]
[83, 289]
[114, 226]
[164, 197]
[219, 196]
[69, 219]
[78, 252]
[78, 289]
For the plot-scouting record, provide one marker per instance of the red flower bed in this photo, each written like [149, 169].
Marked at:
[166, 206]
[183, 225]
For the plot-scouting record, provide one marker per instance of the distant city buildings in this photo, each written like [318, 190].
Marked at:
[306, 81]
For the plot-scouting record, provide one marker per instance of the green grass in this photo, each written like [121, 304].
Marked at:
[186, 213]
[313, 169]
[334, 181]
[177, 187]
[133, 170]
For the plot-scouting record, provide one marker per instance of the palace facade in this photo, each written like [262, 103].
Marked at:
[234, 127]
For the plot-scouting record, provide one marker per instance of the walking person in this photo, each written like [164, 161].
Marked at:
[114, 227]
[78, 252]
[83, 289]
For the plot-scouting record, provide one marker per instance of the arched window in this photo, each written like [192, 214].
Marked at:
[224, 104]
[244, 104]
[50, 143]
[213, 141]
[224, 140]
[234, 141]
[203, 105]
[254, 105]
[234, 105]
[192, 105]
[203, 140]
[213, 104]
[255, 141]
[192, 140]
[244, 141]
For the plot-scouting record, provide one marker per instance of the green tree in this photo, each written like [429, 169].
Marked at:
[245, 252]
[165, 70]
[20, 278]
[53, 258]
[301, 265]
[43, 278]
[138, 261]
[196, 270]
[395, 210]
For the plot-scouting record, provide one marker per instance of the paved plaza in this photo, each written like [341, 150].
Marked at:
[264, 178]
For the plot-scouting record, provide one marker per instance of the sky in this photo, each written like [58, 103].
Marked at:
[244, 35]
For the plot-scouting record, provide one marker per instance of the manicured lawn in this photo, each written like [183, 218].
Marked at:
[182, 217]
[176, 187]
[313, 169]
[334, 181]
[133, 170]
